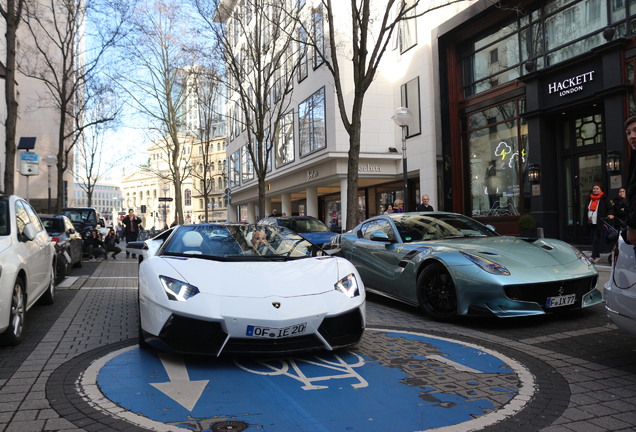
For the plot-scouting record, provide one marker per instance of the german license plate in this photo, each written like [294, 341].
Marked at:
[565, 300]
[269, 332]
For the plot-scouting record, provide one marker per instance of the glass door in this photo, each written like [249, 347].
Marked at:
[582, 158]
[582, 173]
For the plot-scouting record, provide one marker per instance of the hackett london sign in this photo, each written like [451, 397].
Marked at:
[571, 85]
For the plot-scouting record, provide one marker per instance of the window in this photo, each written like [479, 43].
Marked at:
[234, 168]
[407, 30]
[318, 26]
[247, 166]
[411, 99]
[311, 123]
[284, 147]
[187, 197]
[498, 153]
[302, 54]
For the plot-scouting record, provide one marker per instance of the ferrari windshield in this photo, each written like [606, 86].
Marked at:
[423, 227]
[238, 241]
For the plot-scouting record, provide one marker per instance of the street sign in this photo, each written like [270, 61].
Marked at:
[29, 163]
[165, 198]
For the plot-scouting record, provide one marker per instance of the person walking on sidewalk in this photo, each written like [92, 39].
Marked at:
[132, 224]
[110, 244]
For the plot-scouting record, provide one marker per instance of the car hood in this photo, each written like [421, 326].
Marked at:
[510, 251]
[292, 278]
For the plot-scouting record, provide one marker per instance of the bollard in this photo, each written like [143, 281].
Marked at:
[539, 232]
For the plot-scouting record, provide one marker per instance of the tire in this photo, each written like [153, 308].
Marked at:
[436, 293]
[48, 298]
[13, 334]
[142, 341]
[61, 270]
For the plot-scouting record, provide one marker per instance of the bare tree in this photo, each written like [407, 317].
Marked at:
[64, 61]
[373, 24]
[95, 159]
[158, 85]
[207, 91]
[12, 15]
[257, 51]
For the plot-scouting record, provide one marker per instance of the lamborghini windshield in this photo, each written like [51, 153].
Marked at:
[238, 242]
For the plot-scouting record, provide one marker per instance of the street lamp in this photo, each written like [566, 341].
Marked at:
[50, 161]
[403, 117]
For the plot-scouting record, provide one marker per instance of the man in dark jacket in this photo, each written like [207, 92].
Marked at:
[630, 130]
[132, 225]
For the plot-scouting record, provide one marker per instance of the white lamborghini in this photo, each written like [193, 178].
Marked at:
[238, 288]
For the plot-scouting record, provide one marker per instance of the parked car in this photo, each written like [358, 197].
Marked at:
[215, 289]
[27, 263]
[84, 219]
[68, 244]
[620, 289]
[311, 228]
[449, 264]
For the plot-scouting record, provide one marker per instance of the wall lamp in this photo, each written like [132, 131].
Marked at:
[534, 173]
[613, 162]
[393, 150]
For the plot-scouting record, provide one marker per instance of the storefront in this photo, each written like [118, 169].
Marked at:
[536, 102]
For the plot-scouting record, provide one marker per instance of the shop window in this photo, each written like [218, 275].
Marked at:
[497, 147]
[311, 123]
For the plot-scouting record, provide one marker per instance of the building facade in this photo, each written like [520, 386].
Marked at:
[308, 172]
[533, 103]
[106, 199]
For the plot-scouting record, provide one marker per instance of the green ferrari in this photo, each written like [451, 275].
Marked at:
[450, 265]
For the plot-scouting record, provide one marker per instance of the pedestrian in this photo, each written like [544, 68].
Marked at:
[94, 245]
[398, 206]
[620, 208]
[630, 131]
[598, 207]
[389, 209]
[424, 205]
[120, 231]
[132, 225]
[110, 244]
[274, 213]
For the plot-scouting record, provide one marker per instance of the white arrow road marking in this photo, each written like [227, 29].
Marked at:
[180, 389]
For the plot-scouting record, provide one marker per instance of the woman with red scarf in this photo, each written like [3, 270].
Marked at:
[598, 207]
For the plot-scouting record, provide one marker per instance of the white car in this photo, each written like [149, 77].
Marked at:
[27, 266]
[214, 289]
[620, 289]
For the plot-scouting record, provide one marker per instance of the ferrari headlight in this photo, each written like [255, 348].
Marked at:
[348, 285]
[487, 265]
[177, 290]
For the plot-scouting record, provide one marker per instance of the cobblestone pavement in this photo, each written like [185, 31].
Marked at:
[585, 368]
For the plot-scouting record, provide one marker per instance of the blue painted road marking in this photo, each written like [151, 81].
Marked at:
[391, 381]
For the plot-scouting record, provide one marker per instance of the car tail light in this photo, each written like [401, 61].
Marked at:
[55, 239]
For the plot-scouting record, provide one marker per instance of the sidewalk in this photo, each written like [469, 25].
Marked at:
[92, 318]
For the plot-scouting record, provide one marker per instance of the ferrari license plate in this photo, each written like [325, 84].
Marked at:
[565, 300]
[269, 332]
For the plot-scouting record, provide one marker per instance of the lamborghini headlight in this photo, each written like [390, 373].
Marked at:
[177, 290]
[487, 265]
[348, 285]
